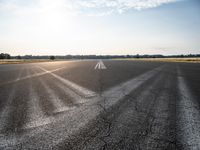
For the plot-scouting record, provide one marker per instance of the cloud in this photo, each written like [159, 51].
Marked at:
[119, 6]
[86, 7]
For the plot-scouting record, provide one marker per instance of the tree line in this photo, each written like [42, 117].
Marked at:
[5, 56]
[8, 56]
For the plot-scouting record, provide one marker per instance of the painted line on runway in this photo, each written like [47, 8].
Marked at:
[31, 76]
[79, 89]
[60, 106]
[20, 75]
[37, 74]
[97, 66]
[4, 114]
[188, 117]
[100, 65]
[80, 117]
[75, 98]
[114, 94]
[55, 100]
[77, 118]
[35, 113]
[123, 89]
[38, 117]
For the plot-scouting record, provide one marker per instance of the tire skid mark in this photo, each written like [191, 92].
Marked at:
[80, 90]
[188, 116]
[55, 100]
[19, 76]
[160, 135]
[15, 117]
[75, 98]
[98, 110]
[123, 89]
[35, 70]
[19, 108]
[27, 76]
[78, 118]
[7, 110]
[120, 119]
[150, 116]
[69, 97]
[36, 116]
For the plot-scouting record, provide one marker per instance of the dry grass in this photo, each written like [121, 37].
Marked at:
[20, 61]
[189, 60]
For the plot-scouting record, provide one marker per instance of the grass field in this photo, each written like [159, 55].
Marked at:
[190, 60]
[19, 61]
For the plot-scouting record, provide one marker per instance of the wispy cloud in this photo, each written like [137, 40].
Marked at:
[106, 7]
[86, 7]
[120, 6]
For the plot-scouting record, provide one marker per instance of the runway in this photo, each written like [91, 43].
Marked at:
[100, 104]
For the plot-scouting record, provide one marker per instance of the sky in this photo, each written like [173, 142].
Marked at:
[101, 27]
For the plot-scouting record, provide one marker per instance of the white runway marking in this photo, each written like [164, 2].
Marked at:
[55, 100]
[75, 98]
[33, 75]
[34, 111]
[114, 94]
[79, 89]
[123, 89]
[37, 116]
[20, 74]
[7, 109]
[188, 117]
[79, 117]
[100, 65]
[97, 66]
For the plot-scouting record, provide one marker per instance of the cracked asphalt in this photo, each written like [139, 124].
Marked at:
[136, 105]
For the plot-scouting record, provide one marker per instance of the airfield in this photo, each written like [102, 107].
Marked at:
[100, 104]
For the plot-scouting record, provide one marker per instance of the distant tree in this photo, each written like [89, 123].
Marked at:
[5, 56]
[137, 56]
[52, 57]
[1, 56]
[27, 57]
[19, 57]
[68, 57]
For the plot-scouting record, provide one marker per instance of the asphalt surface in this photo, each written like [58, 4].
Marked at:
[94, 104]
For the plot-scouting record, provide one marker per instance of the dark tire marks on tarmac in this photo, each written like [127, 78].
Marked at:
[15, 107]
[85, 75]
[144, 119]
[41, 112]
[188, 116]
[190, 72]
